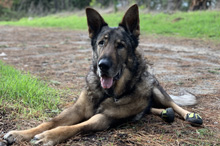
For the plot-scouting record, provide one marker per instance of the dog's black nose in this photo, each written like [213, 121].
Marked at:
[105, 64]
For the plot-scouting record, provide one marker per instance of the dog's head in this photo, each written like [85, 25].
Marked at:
[112, 47]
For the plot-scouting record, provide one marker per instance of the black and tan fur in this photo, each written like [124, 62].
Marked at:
[118, 85]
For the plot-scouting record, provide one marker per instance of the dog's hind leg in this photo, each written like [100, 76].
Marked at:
[160, 97]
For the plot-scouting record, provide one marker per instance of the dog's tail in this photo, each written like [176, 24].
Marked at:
[184, 100]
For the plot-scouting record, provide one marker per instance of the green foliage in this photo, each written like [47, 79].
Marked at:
[41, 7]
[6, 14]
[203, 132]
[94, 3]
[25, 92]
[44, 7]
[80, 3]
[200, 24]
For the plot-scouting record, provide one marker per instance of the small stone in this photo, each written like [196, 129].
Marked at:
[216, 123]
[2, 54]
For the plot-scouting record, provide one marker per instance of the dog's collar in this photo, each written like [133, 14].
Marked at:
[110, 94]
[115, 98]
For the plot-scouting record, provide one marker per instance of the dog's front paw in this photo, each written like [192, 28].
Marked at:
[46, 138]
[13, 136]
[53, 136]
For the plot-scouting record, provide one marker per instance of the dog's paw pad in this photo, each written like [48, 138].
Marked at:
[168, 115]
[194, 119]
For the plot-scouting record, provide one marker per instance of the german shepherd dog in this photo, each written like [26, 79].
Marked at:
[118, 86]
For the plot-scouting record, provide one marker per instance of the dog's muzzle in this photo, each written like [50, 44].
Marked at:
[106, 79]
[105, 64]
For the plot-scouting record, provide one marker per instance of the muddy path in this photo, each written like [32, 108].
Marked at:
[63, 57]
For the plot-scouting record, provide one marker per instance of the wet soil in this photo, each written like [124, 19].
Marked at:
[62, 58]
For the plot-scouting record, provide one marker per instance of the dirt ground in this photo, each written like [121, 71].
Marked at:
[62, 57]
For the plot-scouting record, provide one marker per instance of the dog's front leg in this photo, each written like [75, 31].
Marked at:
[51, 137]
[79, 111]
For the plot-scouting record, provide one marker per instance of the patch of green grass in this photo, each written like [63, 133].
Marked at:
[214, 72]
[200, 24]
[26, 94]
[203, 132]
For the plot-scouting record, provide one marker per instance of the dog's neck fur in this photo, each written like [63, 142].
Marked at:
[133, 70]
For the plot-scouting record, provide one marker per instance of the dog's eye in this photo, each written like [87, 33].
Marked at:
[101, 43]
[120, 46]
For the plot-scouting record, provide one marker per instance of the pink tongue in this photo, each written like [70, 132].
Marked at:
[106, 82]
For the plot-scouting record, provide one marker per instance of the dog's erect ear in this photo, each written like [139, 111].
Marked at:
[130, 21]
[95, 22]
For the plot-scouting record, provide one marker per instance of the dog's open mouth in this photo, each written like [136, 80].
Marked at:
[107, 82]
